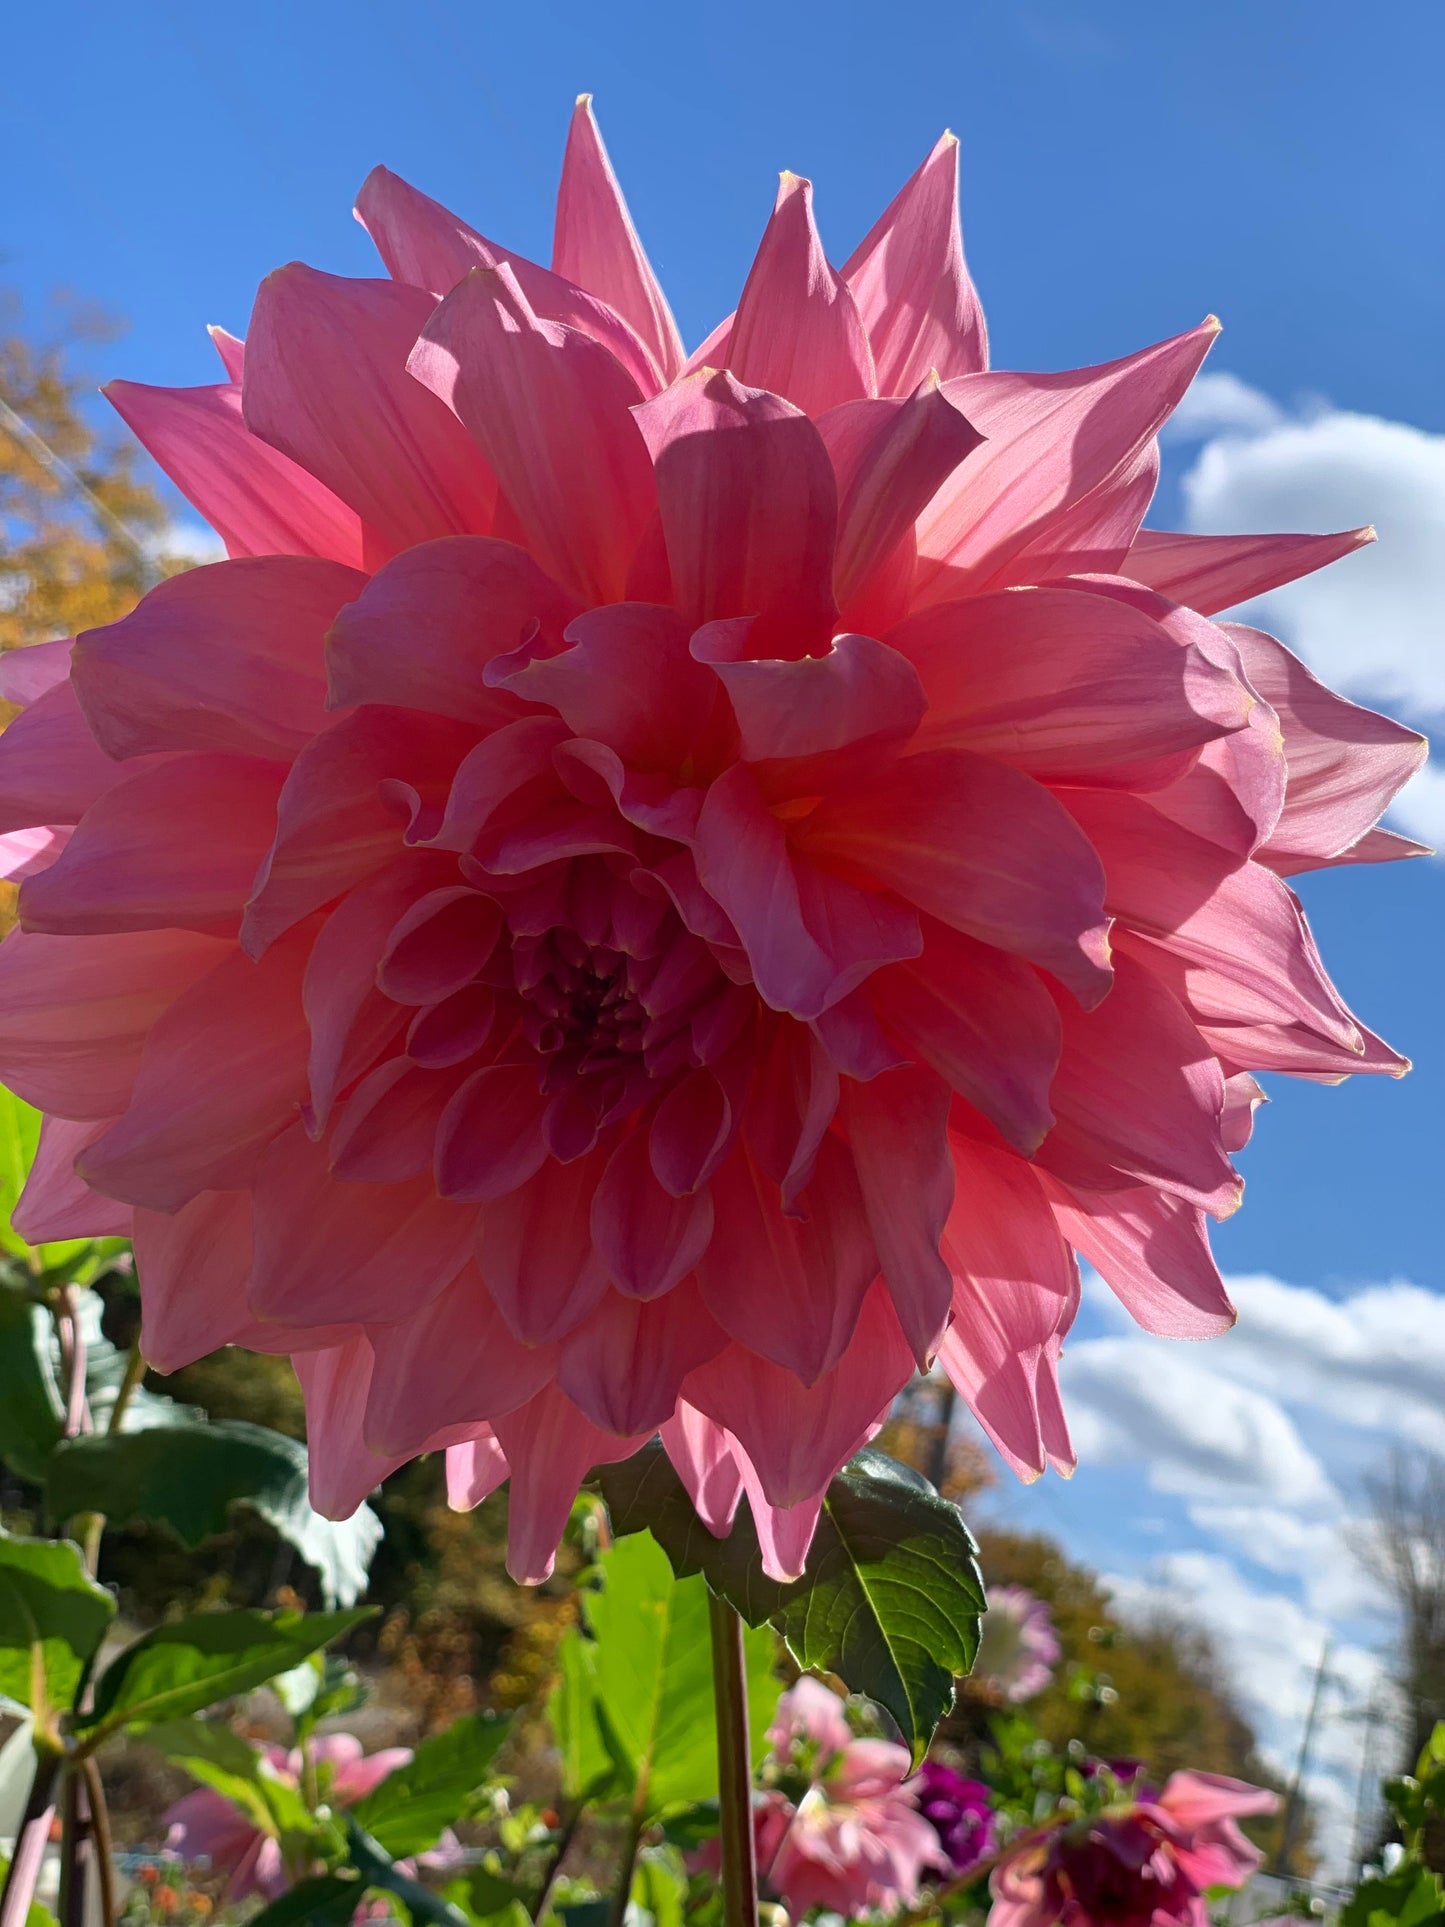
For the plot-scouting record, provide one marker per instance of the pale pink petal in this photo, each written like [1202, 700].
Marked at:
[1095, 533]
[343, 1471]
[595, 244]
[785, 1533]
[1196, 1799]
[474, 1470]
[1214, 572]
[550, 1448]
[1375, 846]
[1152, 1250]
[703, 1458]
[28, 671]
[25, 853]
[51, 767]
[193, 1266]
[911, 284]
[55, 1203]
[623, 1367]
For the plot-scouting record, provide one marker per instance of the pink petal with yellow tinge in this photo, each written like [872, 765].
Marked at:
[254, 496]
[1214, 572]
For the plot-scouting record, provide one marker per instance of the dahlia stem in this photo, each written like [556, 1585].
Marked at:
[734, 1765]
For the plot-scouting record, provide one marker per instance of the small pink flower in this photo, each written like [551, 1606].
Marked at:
[1143, 1865]
[1019, 1647]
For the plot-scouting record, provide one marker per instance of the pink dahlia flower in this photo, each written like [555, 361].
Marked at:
[1145, 1865]
[205, 1826]
[856, 1839]
[662, 893]
[1018, 1648]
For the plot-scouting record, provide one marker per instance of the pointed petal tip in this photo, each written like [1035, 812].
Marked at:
[1211, 325]
[1369, 533]
[583, 104]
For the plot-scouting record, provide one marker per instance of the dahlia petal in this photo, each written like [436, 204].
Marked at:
[387, 1128]
[55, 1203]
[451, 1362]
[254, 496]
[335, 823]
[1242, 1098]
[627, 680]
[334, 1383]
[1049, 441]
[1016, 1290]
[1344, 763]
[438, 945]
[490, 1137]
[623, 1367]
[75, 1012]
[793, 1100]
[749, 509]
[911, 284]
[453, 1030]
[125, 869]
[327, 1251]
[193, 1265]
[1152, 1251]
[28, 670]
[1203, 1799]
[535, 1250]
[51, 767]
[550, 409]
[327, 384]
[424, 628]
[853, 1039]
[493, 772]
[692, 1130]
[648, 1238]
[474, 1470]
[1296, 1051]
[703, 1458]
[897, 1128]
[425, 245]
[785, 1533]
[595, 245]
[797, 331]
[25, 853]
[1095, 534]
[984, 1022]
[186, 1129]
[860, 691]
[1073, 688]
[550, 1448]
[1214, 572]
[790, 1290]
[799, 1436]
[231, 350]
[1139, 1093]
[890, 459]
[983, 848]
[226, 657]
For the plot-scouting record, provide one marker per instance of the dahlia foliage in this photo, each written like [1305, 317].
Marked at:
[663, 892]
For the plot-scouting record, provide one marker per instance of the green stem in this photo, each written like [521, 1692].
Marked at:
[734, 1766]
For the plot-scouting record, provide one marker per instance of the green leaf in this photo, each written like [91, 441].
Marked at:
[487, 1900]
[652, 1676]
[182, 1668]
[53, 1617]
[211, 1752]
[408, 1811]
[659, 1885]
[892, 1595]
[187, 1473]
[320, 1900]
[377, 1869]
[32, 1411]
[589, 1771]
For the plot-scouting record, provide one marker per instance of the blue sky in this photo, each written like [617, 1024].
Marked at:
[1127, 168]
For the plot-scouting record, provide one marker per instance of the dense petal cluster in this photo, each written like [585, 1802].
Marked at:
[1019, 1647]
[1149, 1864]
[662, 893]
[960, 1812]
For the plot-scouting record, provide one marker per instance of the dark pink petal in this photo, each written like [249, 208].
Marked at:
[231, 349]
[1344, 764]
[1139, 1094]
[188, 1128]
[386, 1130]
[897, 1130]
[911, 284]
[490, 1139]
[194, 1265]
[536, 1253]
[55, 1203]
[451, 1362]
[789, 1289]
[511, 761]
[692, 1129]
[51, 767]
[984, 1022]
[749, 510]
[1016, 1290]
[343, 1471]
[227, 657]
[860, 691]
[702, 1456]
[422, 631]
[256, 498]
[75, 1012]
[984, 849]
[890, 459]
[1213, 572]
[798, 1435]
[648, 1238]
[1072, 687]
[337, 818]
[797, 331]
[551, 410]
[331, 1251]
[326, 383]
[1152, 1250]
[550, 1448]
[595, 245]
[1050, 440]
[438, 945]
[623, 1368]
[792, 1101]
[126, 869]
[30, 669]
[423, 244]
[453, 1030]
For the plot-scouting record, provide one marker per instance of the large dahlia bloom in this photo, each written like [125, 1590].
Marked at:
[663, 893]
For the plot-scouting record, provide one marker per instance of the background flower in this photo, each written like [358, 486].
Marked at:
[1018, 1648]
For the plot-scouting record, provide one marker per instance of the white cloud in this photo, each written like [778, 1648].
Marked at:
[1373, 625]
[1316, 1552]
[187, 542]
